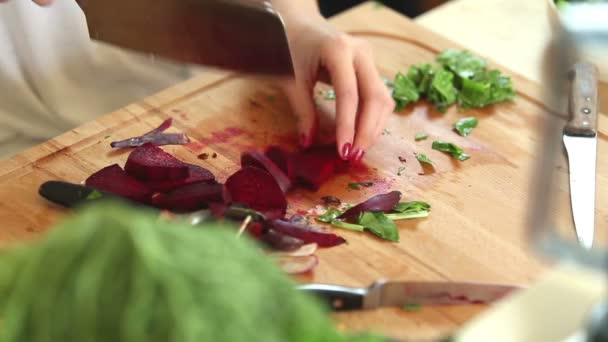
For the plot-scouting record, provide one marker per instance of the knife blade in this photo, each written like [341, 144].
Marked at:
[243, 35]
[580, 141]
[396, 294]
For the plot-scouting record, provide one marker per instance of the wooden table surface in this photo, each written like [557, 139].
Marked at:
[476, 230]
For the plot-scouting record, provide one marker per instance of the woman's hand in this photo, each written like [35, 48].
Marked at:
[363, 102]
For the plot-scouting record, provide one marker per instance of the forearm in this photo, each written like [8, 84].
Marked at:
[290, 9]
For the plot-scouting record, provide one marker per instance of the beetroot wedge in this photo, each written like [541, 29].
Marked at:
[306, 233]
[259, 160]
[113, 179]
[314, 166]
[279, 157]
[190, 197]
[384, 202]
[196, 174]
[258, 190]
[151, 163]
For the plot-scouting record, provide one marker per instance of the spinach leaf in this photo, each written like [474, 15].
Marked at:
[348, 226]
[380, 225]
[450, 148]
[423, 158]
[421, 75]
[486, 88]
[442, 92]
[462, 63]
[421, 136]
[404, 91]
[465, 126]
[413, 206]
[330, 215]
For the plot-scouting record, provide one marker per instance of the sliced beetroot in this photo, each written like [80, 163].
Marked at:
[190, 197]
[196, 174]
[279, 157]
[314, 166]
[151, 163]
[279, 241]
[113, 179]
[258, 190]
[383, 202]
[306, 233]
[259, 160]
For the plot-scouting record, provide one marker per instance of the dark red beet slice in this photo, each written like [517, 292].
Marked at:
[384, 202]
[151, 163]
[306, 233]
[258, 190]
[190, 197]
[279, 157]
[314, 166]
[113, 179]
[196, 174]
[257, 159]
[280, 241]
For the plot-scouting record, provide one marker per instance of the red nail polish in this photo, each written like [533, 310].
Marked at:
[359, 155]
[346, 151]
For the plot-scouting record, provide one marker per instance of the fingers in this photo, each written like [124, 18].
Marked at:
[300, 98]
[376, 103]
[338, 57]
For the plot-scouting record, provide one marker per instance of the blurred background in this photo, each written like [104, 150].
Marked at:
[411, 8]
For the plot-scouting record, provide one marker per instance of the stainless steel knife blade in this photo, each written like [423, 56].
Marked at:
[580, 141]
[242, 35]
[395, 294]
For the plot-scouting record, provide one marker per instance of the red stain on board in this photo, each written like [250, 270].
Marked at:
[222, 136]
[184, 116]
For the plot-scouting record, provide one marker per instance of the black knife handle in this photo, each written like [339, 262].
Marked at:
[583, 101]
[338, 298]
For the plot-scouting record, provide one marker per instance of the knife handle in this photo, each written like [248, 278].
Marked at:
[583, 101]
[338, 298]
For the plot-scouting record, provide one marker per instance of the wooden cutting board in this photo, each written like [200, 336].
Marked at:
[476, 230]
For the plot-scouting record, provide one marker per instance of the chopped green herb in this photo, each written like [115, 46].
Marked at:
[328, 94]
[412, 307]
[354, 186]
[346, 225]
[106, 137]
[443, 92]
[423, 158]
[380, 225]
[366, 184]
[399, 170]
[465, 126]
[407, 215]
[421, 75]
[421, 136]
[330, 215]
[404, 91]
[462, 63]
[413, 206]
[486, 88]
[450, 148]
[94, 195]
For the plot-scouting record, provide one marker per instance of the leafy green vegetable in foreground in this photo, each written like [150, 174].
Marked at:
[423, 158]
[465, 126]
[347, 226]
[450, 148]
[485, 88]
[330, 215]
[94, 195]
[380, 225]
[120, 274]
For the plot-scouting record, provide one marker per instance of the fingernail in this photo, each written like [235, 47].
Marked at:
[346, 151]
[359, 155]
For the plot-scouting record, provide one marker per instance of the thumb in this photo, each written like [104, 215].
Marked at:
[301, 100]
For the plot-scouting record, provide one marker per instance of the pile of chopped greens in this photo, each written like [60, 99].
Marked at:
[458, 78]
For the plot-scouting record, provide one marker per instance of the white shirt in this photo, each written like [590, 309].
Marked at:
[53, 78]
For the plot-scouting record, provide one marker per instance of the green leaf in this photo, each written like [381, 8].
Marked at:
[421, 136]
[94, 195]
[486, 88]
[465, 126]
[328, 94]
[380, 225]
[330, 215]
[354, 186]
[412, 307]
[404, 91]
[442, 92]
[348, 226]
[450, 148]
[421, 75]
[407, 215]
[462, 63]
[423, 158]
[412, 206]
[399, 170]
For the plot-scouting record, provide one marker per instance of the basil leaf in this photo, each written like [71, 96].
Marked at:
[348, 226]
[486, 88]
[413, 206]
[421, 136]
[404, 91]
[421, 75]
[442, 92]
[354, 186]
[462, 63]
[450, 148]
[330, 215]
[423, 158]
[380, 225]
[465, 126]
